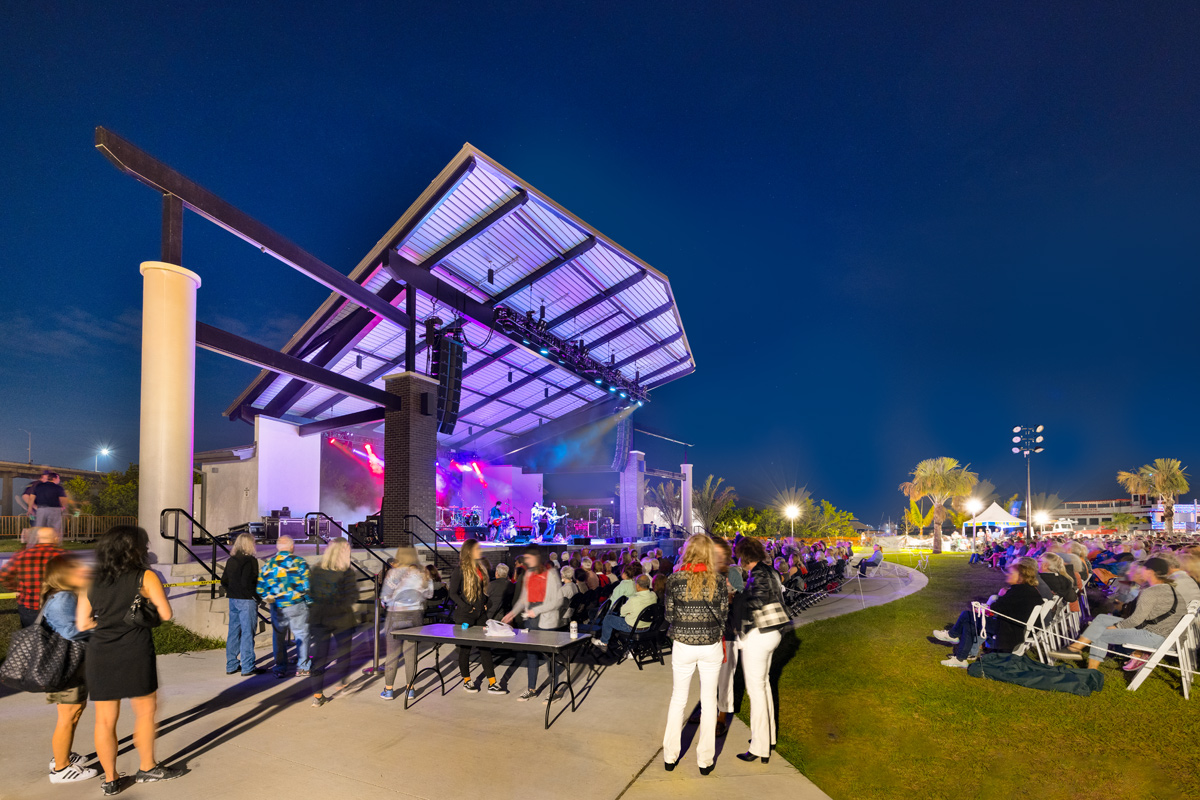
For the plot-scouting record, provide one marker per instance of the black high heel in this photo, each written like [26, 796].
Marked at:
[747, 756]
[708, 769]
[671, 766]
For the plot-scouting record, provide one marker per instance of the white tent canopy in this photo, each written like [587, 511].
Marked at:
[996, 517]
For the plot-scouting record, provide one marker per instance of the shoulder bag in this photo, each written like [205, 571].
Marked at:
[39, 660]
[142, 613]
[773, 614]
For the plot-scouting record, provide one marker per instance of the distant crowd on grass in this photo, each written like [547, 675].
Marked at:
[1146, 583]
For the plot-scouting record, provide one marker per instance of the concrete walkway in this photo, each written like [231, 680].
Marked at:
[255, 737]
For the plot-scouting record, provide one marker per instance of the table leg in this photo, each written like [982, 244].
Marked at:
[550, 697]
[570, 683]
[437, 667]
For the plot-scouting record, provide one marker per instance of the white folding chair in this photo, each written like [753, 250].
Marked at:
[1031, 638]
[1180, 645]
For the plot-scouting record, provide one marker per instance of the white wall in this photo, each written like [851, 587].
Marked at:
[232, 494]
[289, 468]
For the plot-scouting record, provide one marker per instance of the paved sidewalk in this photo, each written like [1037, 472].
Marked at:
[246, 738]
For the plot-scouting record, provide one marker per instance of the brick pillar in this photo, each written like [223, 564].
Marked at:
[633, 494]
[410, 455]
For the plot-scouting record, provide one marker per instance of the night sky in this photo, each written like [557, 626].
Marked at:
[894, 230]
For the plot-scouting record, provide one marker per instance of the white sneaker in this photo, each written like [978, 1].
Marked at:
[953, 661]
[73, 773]
[73, 758]
[944, 636]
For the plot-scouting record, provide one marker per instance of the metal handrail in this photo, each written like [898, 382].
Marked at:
[349, 537]
[436, 536]
[212, 570]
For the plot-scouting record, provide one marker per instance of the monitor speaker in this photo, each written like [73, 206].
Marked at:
[447, 366]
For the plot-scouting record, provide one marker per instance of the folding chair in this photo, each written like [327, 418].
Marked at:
[1180, 645]
[1031, 635]
[642, 643]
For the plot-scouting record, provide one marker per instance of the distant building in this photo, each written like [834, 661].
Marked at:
[1095, 515]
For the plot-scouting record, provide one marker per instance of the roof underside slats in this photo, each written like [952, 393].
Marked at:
[518, 244]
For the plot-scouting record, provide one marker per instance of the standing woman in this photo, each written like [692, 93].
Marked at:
[120, 655]
[469, 590]
[240, 581]
[66, 575]
[334, 592]
[697, 604]
[405, 590]
[540, 603]
[757, 645]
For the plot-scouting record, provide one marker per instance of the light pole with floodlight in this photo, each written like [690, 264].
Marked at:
[1028, 441]
[103, 451]
[791, 512]
[974, 505]
[1041, 518]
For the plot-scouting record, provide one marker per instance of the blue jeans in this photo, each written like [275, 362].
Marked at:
[531, 659]
[240, 639]
[1102, 638]
[966, 630]
[613, 622]
[295, 619]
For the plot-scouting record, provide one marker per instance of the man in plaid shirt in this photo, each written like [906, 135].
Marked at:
[26, 570]
[283, 582]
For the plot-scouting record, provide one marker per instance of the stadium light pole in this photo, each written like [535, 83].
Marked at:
[791, 512]
[103, 451]
[1041, 518]
[974, 505]
[1028, 441]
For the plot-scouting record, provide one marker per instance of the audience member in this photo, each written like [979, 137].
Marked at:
[283, 586]
[468, 590]
[538, 603]
[406, 587]
[240, 581]
[1008, 612]
[334, 593]
[642, 598]
[24, 573]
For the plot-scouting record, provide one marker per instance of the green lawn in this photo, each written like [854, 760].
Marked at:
[866, 711]
[168, 637]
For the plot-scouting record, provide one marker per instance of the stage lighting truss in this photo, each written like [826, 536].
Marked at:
[573, 355]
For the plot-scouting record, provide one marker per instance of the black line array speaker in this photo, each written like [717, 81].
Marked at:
[447, 366]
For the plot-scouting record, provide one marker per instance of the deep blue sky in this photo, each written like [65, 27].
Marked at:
[894, 230]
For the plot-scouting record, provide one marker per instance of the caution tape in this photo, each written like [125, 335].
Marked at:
[189, 583]
[8, 596]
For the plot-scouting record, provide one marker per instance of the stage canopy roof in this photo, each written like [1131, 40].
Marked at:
[477, 217]
[995, 515]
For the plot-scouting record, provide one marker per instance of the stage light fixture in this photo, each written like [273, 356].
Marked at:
[547, 392]
[491, 275]
[641, 403]
[358, 362]
[1016, 440]
[623, 395]
[541, 312]
[612, 389]
[1016, 449]
[524, 341]
[544, 351]
[598, 382]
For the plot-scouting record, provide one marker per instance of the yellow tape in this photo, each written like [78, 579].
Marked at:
[189, 583]
[8, 596]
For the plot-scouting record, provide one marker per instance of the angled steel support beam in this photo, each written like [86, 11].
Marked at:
[502, 211]
[489, 359]
[227, 344]
[669, 378]
[584, 415]
[645, 351]
[364, 417]
[633, 323]
[396, 241]
[607, 294]
[545, 269]
[157, 175]
[416, 276]
[508, 387]
[350, 331]
[521, 413]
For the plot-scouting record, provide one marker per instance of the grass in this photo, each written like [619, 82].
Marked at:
[866, 711]
[13, 545]
[168, 637]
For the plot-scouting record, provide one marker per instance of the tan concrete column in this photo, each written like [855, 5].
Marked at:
[685, 497]
[168, 398]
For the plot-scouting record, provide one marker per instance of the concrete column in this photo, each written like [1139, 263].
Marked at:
[685, 495]
[168, 398]
[633, 494]
[410, 456]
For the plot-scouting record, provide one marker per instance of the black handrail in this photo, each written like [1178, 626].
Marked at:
[436, 536]
[212, 570]
[349, 537]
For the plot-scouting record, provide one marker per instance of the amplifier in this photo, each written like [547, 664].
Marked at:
[522, 539]
[584, 540]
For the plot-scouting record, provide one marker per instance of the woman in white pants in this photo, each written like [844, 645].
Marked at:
[757, 645]
[697, 604]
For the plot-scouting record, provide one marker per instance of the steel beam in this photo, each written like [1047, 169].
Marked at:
[172, 230]
[422, 279]
[633, 323]
[152, 172]
[364, 417]
[607, 294]
[587, 414]
[508, 387]
[227, 344]
[645, 351]
[489, 359]
[521, 413]
[502, 211]
[661, 370]
[670, 378]
[544, 270]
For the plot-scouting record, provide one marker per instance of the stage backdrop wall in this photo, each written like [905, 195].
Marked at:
[506, 484]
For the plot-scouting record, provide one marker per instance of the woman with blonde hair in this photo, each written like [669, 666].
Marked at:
[696, 606]
[334, 591]
[406, 587]
[469, 590]
[240, 581]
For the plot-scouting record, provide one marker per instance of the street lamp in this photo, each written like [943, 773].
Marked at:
[103, 451]
[791, 512]
[974, 506]
[1041, 518]
[1028, 441]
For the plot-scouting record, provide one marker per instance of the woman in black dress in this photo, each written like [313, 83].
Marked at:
[120, 656]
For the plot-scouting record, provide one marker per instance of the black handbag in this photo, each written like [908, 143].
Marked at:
[39, 660]
[142, 613]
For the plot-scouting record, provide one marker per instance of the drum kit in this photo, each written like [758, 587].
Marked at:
[460, 516]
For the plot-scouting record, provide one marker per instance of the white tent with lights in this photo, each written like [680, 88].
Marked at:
[991, 518]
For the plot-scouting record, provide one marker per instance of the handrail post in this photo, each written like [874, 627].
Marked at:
[375, 630]
[212, 587]
[176, 516]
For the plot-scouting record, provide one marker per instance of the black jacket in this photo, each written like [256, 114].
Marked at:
[1061, 586]
[240, 578]
[1018, 602]
[500, 599]
[762, 588]
[471, 613]
[333, 597]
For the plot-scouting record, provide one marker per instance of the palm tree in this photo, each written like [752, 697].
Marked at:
[1123, 521]
[939, 479]
[916, 519]
[667, 498]
[710, 500]
[1165, 479]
